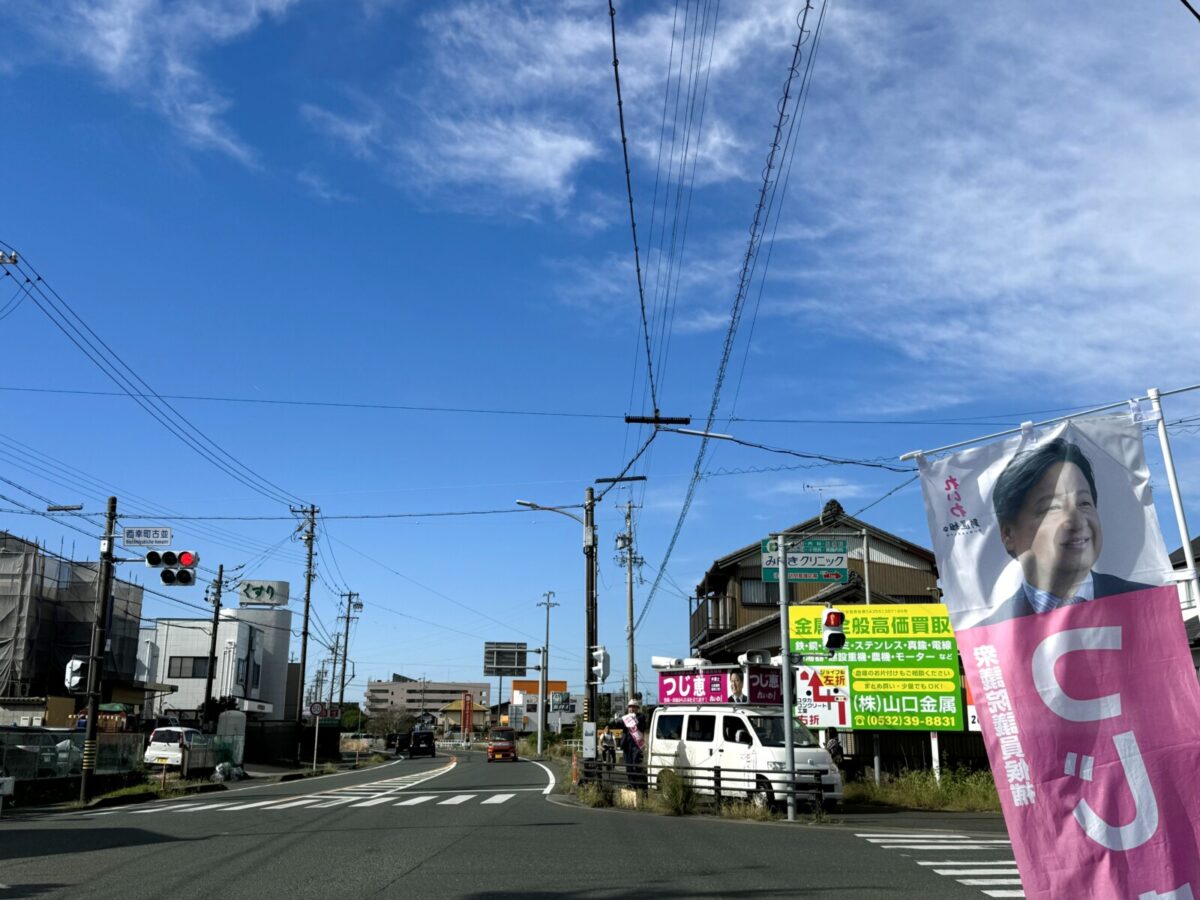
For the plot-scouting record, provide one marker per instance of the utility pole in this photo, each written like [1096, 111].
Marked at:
[356, 606]
[589, 553]
[212, 643]
[96, 657]
[629, 559]
[333, 669]
[309, 537]
[542, 697]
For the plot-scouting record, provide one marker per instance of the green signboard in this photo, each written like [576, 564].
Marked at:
[821, 560]
[897, 672]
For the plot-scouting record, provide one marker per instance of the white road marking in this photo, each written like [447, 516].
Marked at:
[303, 801]
[956, 872]
[454, 801]
[963, 862]
[988, 882]
[413, 801]
[499, 798]
[1005, 893]
[252, 805]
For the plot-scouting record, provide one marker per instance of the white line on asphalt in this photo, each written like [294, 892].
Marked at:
[550, 786]
[301, 802]
[919, 835]
[413, 801]
[1005, 893]
[165, 807]
[252, 805]
[956, 872]
[915, 838]
[376, 801]
[933, 847]
[963, 862]
[205, 806]
[988, 882]
[454, 801]
[499, 798]
[333, 803]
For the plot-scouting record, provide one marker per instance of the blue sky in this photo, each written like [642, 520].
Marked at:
[990, 214]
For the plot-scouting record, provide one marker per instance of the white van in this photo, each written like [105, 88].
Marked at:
[746, 742]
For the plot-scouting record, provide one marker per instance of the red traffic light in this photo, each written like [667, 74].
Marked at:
[188, 558]
[834, 618]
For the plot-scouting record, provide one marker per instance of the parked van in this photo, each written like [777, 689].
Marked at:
[746, 742]
[165, 747]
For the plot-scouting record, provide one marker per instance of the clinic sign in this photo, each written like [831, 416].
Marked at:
[897, 672]
[821, 560]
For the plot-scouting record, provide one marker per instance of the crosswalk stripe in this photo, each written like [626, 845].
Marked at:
[333, 803]
[921, 839]
[933, 847]
[205, 806]
[956, 872]
[165, 807]
[499, 798]
[303, 801]
[988, 882]
[252, 805]
[1005, 893]
[454, 801]
[911, 834]
[413, 801]
[376, 801]
[963, 862]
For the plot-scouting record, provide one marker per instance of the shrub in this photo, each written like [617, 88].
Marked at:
[594, 795]
[676, 796]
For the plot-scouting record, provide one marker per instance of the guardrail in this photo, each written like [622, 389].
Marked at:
[714, 784]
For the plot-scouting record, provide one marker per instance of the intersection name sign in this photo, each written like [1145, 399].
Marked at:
[146, 536]
[822, 560]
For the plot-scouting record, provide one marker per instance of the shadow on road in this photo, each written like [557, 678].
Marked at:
[31, 844]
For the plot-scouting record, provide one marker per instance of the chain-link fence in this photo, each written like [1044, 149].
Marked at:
[37, 753]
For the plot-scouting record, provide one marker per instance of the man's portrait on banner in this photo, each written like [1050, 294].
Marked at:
[1048, 509]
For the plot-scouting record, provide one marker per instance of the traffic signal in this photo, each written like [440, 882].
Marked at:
[832, 636]
[600, 663]
[76, 675]
[178, 566]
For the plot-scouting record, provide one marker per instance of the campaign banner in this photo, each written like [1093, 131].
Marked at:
[1056, 579]
[757, 685]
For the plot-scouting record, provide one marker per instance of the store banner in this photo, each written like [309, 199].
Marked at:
[1056, 579]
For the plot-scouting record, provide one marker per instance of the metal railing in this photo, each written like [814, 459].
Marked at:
[714, 784]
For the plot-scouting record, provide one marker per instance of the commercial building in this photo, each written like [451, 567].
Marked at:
[413, 696]
[251, 662]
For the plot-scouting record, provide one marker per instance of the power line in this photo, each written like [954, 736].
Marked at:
[63, 317]
[637, 259]
[766, 195]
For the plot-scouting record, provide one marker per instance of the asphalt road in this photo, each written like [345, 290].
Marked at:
[460, 827]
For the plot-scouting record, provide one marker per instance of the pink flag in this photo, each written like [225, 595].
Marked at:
[1054, 569]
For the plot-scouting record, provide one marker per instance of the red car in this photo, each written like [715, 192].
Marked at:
[502, 744]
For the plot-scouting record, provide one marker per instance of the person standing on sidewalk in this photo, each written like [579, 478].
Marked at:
[633, 744]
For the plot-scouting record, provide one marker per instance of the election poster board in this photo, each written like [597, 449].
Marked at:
[1054, 572]
[897, 672]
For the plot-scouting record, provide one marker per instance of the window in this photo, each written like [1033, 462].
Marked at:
[730, 726]
[187, 667]
[757, 593]
[669, 727]
[701, 728]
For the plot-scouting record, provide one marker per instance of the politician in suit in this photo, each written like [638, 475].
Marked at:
[1046, 505]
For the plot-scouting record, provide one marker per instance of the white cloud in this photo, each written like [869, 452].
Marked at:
[150, 50]
[320, 188]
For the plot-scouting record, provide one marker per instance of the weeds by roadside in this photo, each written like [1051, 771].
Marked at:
[743, 809]
[596, 796]
[959, 790]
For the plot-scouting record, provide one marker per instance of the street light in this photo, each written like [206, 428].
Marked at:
[589, 552]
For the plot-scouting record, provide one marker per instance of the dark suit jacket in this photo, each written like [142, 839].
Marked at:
[1018, 604]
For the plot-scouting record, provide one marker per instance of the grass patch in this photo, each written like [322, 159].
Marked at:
[743, 809]
[378, 758]
[673, 795]
[960, 790]
[594, 795]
